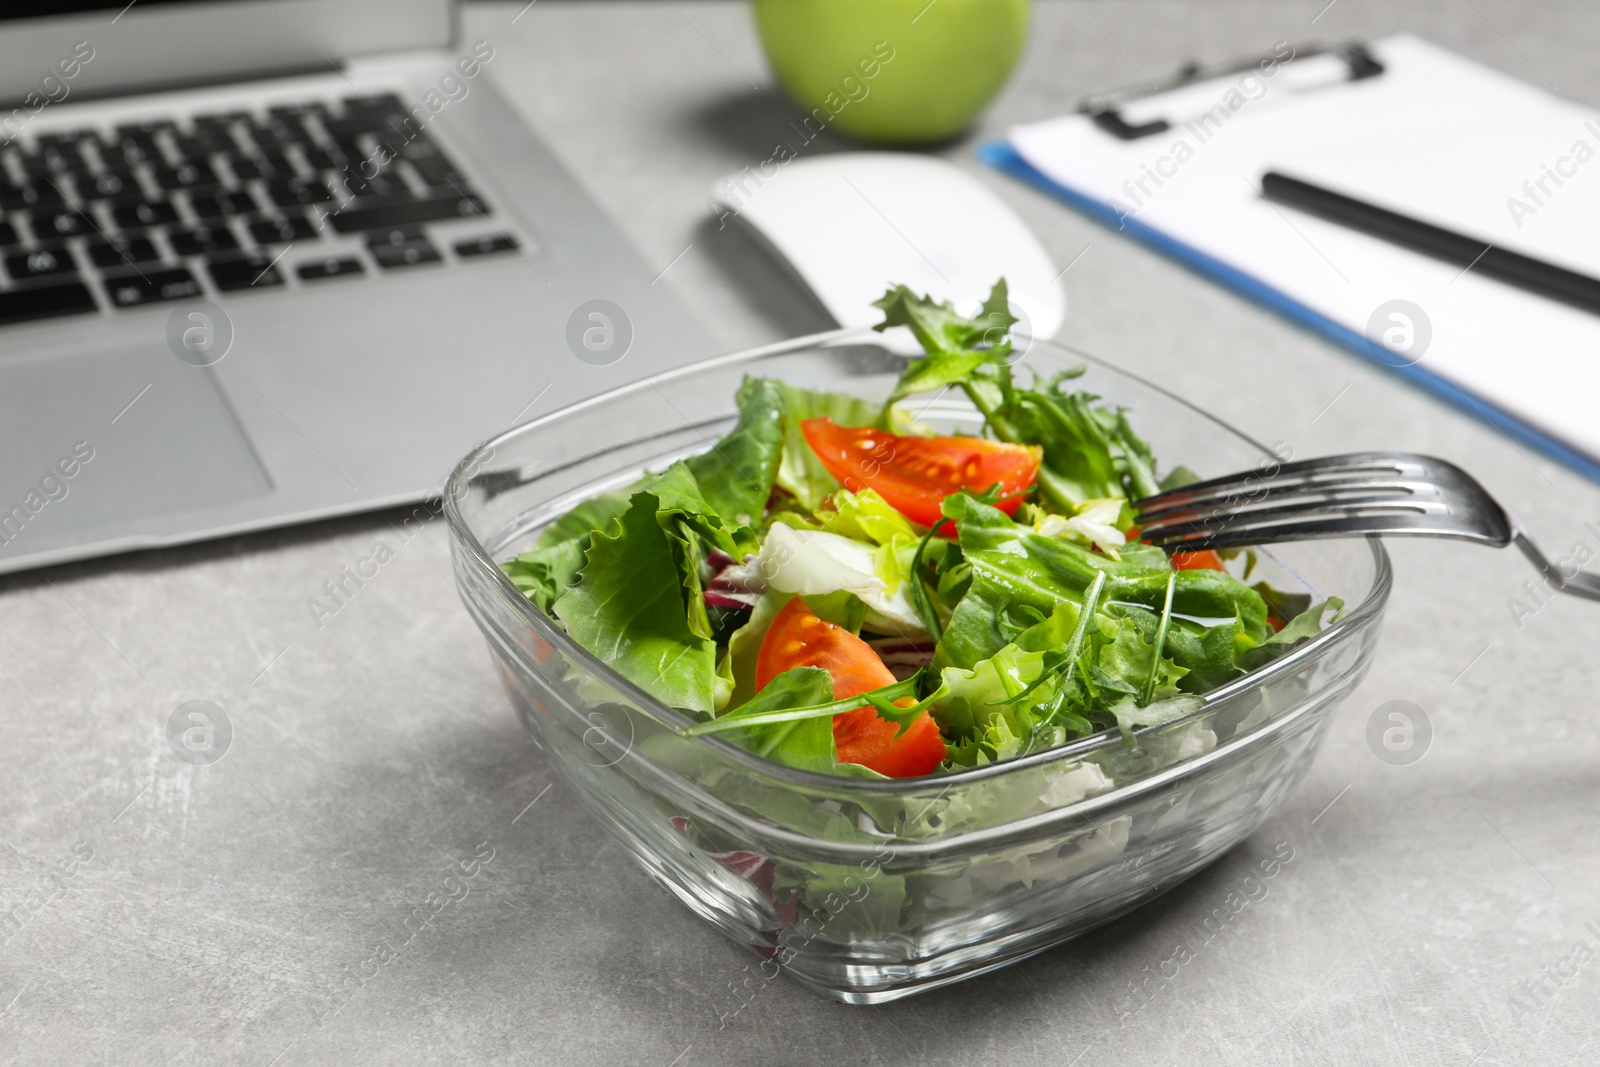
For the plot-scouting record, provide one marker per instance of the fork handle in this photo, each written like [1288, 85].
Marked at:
[1580, 583]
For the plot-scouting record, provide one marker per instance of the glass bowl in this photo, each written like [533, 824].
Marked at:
[869, 890]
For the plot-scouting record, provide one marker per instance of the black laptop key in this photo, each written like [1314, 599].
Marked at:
[405, 211]
[486, 245]
[40, 263]
[57, 138]
[53, 163]
[122, 251]
[125, 152]
[56, 223]
[373, 102]
[45, 301]
[110, 185]
[326, 158]
[200, 145]
[148, 214]
[330, 268]
[146, 128]
[297, 190]
[381, 186]
[23, 197]
[202, 240]
[435, 169]
[192, 175]
[282, 228]
[9, 235]
[266, 165]
[368, 122]
[249, 270]
[131, 288]
[222, 202]
[412, 253]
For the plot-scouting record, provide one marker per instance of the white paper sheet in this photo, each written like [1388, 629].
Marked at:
[1435, 136]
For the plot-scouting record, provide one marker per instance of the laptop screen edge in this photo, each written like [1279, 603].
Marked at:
[117, 49]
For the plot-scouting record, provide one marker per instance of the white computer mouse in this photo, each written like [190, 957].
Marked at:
[853, 224]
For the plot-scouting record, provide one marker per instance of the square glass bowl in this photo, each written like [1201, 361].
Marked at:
[869, 890]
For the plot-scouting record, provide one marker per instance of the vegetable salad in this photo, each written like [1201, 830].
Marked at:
[840, 588]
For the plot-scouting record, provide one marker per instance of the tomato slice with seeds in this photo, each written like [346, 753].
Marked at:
[798, 638]
[915, 474]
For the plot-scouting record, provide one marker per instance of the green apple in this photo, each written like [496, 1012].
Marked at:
[900, 71]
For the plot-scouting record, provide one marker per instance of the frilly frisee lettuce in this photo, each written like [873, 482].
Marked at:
[1039, 629]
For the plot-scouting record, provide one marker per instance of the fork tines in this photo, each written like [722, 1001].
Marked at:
[1354, 494]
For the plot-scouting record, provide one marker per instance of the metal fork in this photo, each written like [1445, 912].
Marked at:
[1394, 493]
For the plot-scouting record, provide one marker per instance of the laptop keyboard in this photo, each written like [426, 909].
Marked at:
[232, 201]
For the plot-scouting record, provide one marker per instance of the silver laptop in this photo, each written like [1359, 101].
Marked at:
[266, 261]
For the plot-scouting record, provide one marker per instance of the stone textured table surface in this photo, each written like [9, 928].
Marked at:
[1446, 912]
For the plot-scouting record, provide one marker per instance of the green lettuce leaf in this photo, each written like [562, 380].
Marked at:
[804, 743]
[1302, 627]
[736, 477]
[543, 574]
[866, 516]
[629, 610]
[800, 472]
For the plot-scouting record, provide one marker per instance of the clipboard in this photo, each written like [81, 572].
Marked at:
[1398, 121]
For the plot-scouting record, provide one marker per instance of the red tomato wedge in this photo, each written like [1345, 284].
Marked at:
[798, 638]
[915, 474]
[1203, 560]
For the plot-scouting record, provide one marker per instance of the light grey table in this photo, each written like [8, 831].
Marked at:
[290, 903]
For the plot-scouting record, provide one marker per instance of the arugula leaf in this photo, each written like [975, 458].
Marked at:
[1018, 577]
[950, 340]
[737, 475]
[628, 609]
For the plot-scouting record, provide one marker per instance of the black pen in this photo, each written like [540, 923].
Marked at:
[1469, 253]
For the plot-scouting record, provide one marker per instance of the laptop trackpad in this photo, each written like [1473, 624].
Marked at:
[92, 442]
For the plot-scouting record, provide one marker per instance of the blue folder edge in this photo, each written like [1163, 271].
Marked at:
[1002, 156]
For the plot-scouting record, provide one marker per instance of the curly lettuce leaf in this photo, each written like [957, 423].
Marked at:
[543, 574]
[867, 517]
[736, 477]
[629, 610]
[800, 472]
